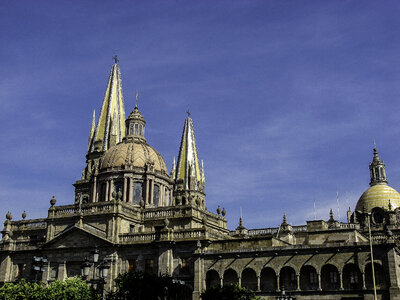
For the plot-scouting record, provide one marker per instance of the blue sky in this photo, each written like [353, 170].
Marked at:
[286, 96]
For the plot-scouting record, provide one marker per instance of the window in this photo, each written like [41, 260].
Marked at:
[333, 277]
[156, 195]
[149, 266]
[313, 277]
[131, 265]
[137, 192]
[130, 128]
[136, 129]
[103, 192]
[131, 228]
[118, 185]
[353, 277]
[184, 266]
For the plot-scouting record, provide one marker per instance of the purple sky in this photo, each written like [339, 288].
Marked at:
[286, 96]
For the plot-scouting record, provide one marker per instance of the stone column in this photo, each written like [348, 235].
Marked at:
[151, 200]
[278, 288]
[319, 282]
[258, 284]
[125, 189]
[222, 280]
[111, 189]
[298, 282]
[106, 196]
[364, 287]
[94, 189]
[240, 280]
[147, 201]
[198, 278]
[130, 190]
[341, 281]
[62, 271]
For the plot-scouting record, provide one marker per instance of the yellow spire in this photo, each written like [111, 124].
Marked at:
[188, 162]
[92, 127]
[112, 116]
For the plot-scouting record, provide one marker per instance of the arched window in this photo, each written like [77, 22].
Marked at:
[212, 279]
[118, 185]
[288, 280]
[156, 195]
[136, 129]
[137, 192]
[249, 279]
[308, 278]
[103, 191]
[230, 277]
[268, 280]
[329, 278]
[130, 128]
[380, 278]
[352, 279]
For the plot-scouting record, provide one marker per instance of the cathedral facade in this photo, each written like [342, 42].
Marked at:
[131, 213]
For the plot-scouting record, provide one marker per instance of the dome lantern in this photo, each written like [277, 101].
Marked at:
[377, 170]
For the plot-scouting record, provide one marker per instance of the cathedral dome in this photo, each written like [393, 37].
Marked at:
[378, 196]
[133, 153]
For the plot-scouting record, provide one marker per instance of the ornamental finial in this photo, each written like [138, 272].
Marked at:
[188, 113]
[137, 98]
[115, 58]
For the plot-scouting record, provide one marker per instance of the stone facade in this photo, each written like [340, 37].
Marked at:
[137, 216]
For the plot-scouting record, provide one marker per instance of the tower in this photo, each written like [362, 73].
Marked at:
[188, 175]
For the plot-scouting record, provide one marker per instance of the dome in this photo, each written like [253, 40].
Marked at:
[378, 196]
[133, 152]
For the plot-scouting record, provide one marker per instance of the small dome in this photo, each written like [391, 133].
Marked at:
[378, 196]
[133, 152]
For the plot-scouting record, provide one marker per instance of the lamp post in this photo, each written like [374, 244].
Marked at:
[283, 296]
[39, 265]
[372, 254]
[103, 267]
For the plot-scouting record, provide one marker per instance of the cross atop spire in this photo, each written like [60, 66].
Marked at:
[115, 58]
[110, 127]
[188, 113]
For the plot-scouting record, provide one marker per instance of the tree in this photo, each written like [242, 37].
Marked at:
[70, 289]
[148, 286]
[228, 292]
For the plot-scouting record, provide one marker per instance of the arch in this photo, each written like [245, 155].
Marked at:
[380, 278]
[308, 278]
[212, 279]
[352, 279]
[230, 277]
[268, 280]
[249, 279]
[330, 278]
[287, 279]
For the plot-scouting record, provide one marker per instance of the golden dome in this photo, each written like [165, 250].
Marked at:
[133, 152]
[378, 196]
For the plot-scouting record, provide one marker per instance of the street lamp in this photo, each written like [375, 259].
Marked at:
[283, 296]
[39, 265]
[372, 254]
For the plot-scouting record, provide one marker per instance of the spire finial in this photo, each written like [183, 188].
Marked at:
[331, 218]
[284, 220]
[137, 98]
[115, 58]
[188, 113]
[374, 144]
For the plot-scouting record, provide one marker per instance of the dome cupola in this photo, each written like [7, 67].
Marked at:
[380, 194]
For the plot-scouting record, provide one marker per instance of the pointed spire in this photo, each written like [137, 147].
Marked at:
[377, 169]
[188, 163]
[92, 128]
[112, 112]
[173, 169]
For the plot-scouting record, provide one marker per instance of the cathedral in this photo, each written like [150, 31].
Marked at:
[131, 213]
